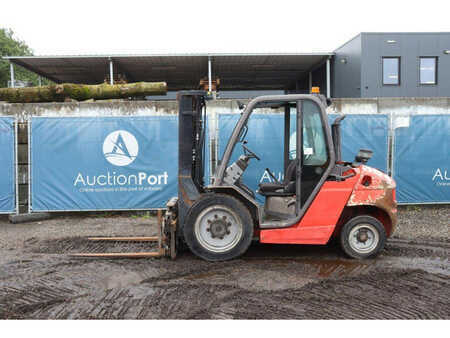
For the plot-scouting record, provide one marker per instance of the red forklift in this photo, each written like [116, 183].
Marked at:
[319, 197]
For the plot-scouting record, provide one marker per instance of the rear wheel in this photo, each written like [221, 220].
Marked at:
[363, 237]
[218, 227]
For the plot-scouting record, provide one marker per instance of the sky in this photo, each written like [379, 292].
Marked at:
[144, 27]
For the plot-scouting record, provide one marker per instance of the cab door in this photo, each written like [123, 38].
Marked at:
[315, 154]
[319, 201]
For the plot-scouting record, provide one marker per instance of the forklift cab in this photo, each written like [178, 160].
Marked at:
[304, 167]
[281, 195]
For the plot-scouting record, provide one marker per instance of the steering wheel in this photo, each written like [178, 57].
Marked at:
[250, 153]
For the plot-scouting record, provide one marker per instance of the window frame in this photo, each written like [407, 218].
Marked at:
[398, 70]
[306, 136]
[436, 64]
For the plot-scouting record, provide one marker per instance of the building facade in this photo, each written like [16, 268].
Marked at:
[393, 65]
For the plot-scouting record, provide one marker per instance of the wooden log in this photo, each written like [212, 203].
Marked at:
[81, 92]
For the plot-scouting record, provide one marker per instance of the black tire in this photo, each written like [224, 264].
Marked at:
[363, 222]
[240, 212]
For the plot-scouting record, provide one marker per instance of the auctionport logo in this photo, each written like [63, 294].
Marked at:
[120, 148]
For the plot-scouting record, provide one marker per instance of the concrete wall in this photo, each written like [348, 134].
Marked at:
[396, 106]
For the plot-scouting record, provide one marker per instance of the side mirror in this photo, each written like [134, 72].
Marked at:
[363, 156]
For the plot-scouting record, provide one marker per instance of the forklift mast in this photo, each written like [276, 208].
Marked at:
[191, 149]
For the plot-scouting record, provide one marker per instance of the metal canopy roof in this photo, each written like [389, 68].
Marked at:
[180, 71]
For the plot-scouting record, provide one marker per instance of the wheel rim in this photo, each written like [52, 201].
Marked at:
[363, 238]
[218, 228]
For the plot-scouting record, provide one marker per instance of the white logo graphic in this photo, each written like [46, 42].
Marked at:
[120, 148]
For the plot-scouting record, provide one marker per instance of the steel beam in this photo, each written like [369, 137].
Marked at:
[11, 71]
[209, 74]
[111, 72]
[310, 81]
[328, 79]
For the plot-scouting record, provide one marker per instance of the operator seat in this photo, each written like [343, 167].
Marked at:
[284, 188]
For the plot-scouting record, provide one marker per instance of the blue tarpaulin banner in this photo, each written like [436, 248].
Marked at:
[7, 167]
[103, 163]
[130, 163]
[422, 159]
[365, 131]
[265, 138]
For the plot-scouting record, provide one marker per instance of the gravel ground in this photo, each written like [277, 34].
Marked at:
[410, 279]
[423, 222]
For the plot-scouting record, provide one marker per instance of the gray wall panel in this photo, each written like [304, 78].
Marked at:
[409, 47]
[347, 76]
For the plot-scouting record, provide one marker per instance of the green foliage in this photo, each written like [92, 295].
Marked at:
[142, 215]
[10, 46]
[415, 208]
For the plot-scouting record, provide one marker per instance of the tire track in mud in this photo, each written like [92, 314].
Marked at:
[394, 246]
[190, 288]
[406, 295]
[82, 244]
[403, 295]
[398, 247]
[19, 301]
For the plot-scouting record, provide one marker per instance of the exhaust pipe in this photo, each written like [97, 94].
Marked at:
[336, 135]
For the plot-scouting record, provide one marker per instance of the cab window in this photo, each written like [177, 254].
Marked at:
[314, 146]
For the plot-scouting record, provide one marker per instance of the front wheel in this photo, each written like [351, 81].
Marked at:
[218, 227]
[363, 237]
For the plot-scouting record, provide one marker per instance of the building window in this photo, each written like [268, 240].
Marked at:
[391, 71]
[428, 70]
